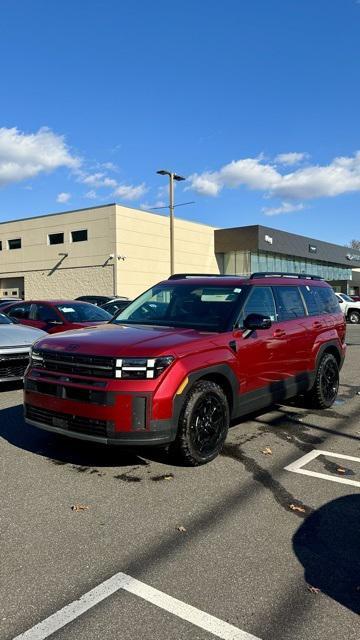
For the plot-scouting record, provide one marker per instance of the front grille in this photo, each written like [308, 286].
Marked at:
[68, 393]
[13, 366]
[93, 366]
[66, 421]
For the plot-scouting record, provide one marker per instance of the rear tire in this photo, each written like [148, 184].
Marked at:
[354, 317]
[203, 425]
[323, 393]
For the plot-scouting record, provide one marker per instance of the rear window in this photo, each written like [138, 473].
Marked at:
[289, 303]
[320, 300]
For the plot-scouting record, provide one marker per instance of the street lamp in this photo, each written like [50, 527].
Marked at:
[172, 176]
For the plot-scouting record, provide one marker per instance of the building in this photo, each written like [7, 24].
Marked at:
[243, 250]
[108, 250]
[112, 249]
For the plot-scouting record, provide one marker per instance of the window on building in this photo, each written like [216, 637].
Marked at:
[79, 236]
[14, 244]
[289, 303]
[56, 238]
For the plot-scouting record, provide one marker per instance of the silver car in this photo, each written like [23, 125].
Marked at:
[15, 342]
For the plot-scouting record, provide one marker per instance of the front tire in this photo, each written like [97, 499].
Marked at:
[354, 317]
[203, 425]
[326, 385]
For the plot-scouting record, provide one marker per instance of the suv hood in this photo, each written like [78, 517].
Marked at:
[124, 340]
[16, 335]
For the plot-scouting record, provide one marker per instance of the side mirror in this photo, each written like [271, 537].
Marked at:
[256, 321]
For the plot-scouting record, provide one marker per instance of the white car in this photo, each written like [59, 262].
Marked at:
[15, 343]
[350, 308]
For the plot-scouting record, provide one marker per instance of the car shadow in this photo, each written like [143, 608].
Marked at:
[328, 546]
[64, 450]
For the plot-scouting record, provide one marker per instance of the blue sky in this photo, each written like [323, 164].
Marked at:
[255, 101]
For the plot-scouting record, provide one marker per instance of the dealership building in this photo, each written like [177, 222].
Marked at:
[114, 249]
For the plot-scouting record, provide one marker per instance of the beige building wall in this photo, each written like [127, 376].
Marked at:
[143, 238]
[95, 266]
[45, 270]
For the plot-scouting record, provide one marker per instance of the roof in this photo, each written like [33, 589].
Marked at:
[235, 281]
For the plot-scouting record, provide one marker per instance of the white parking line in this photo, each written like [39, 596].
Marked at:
[297, 466]
[70, 612]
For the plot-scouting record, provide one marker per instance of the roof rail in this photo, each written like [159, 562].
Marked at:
[181, 276]
[279, 274]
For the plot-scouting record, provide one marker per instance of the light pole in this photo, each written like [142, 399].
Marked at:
[172, 176]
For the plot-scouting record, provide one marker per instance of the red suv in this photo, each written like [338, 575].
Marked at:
[56, 315]
[185, 358]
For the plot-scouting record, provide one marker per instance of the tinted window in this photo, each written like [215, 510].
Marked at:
[289, 303]
[56, 238]
[207, 308]
[45, 313]
[311, 300]
[83, 312]
[20, 311]
[260, 300]
[79, 236]
[14, 244]
[114, 307]
[327, 300]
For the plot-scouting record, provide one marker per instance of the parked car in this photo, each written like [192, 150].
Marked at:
[185, 358]
[6, 301]
[56, 315]
[115, 306]
[99, 300]
[350, 309]
[15, 343]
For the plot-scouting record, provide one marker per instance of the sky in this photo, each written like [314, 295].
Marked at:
[255, 102]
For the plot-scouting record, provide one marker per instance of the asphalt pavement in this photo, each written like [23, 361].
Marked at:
[244, 540]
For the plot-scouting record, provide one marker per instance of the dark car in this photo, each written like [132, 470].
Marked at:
[187, 357]
[54, 316]
[99, 300]
[115, 306]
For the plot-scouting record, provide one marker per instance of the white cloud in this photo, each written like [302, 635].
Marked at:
[291, 158]
[341, 175]
[24, 156]
[63, 197]
[159, 204]
[130, 192]
[92, 195]
[285, 207]
[98, 180]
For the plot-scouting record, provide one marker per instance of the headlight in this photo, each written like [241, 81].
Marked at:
[141, 368]
[36, 360]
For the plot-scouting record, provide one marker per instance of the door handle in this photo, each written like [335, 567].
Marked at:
[279, 333]
[318, 325]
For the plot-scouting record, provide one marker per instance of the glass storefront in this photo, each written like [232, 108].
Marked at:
[246, 262]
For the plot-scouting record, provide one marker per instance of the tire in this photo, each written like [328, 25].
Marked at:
[354, 317]
[203, 425]
[325, 389]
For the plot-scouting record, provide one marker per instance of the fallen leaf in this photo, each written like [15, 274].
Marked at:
[313, 589]
[267, 451]
[169, 477]
[181, 529]
[340, 470]
[79, 507]
[297, 507]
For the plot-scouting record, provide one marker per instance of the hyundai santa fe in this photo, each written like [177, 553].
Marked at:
[186, 358]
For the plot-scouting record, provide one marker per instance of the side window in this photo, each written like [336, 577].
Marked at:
[20, 311]
[328, 302]
[289, 303]
[44, 313]
[260, 300]
[311, 300]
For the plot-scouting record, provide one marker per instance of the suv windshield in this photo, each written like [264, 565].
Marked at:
[346, 298]
[83, 312]
[201, 307]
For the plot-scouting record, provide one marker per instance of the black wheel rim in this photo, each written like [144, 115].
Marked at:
[354, 318]
[330, 381]
[207, 425]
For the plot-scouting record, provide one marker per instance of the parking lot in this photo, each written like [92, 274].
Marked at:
[261, 544]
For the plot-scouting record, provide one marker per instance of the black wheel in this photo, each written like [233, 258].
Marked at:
[326, 385]
[354, 317]
[203, 425]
